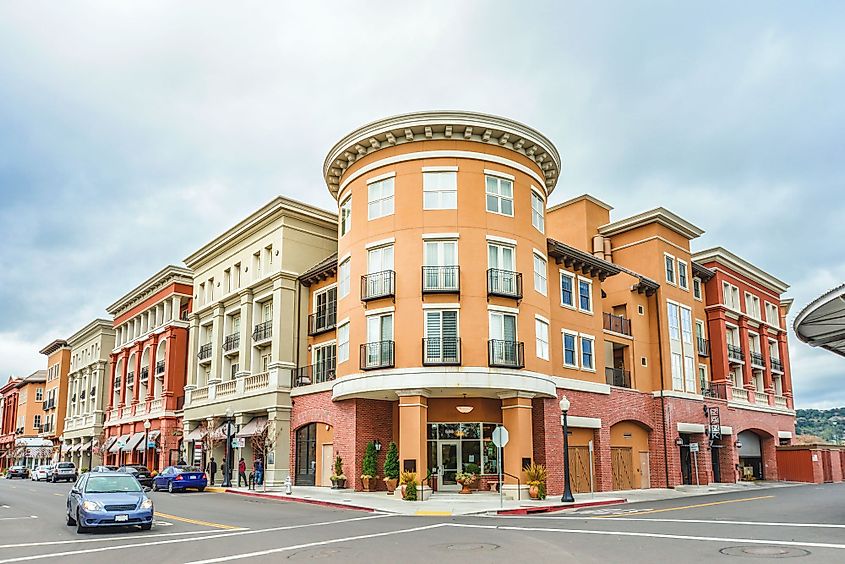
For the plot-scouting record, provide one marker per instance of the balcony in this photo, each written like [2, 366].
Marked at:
[117, 382]
[505, 354]
[618, 377]
[130, 379]
[229, 390]
[441, 279]
[263, 331]
[145, 374]
[378, 354]
[504, 283]
[159, 367]
[757, 360]
[314, 374]
[617, 324]
[231, 343]
[439, 351]
[761, 398]
[322, 321]
[777, 365]
[44, 406]
[735, 354]
[378, 285]
[780, 401]
[703, 346]
[205, 352]
[739, 394]
[719, 391]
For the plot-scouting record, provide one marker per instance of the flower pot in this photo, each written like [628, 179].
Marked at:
[402, 491]
[391, 485]
[338, 483]
[534, 491]
[367, 482]
[466, 488]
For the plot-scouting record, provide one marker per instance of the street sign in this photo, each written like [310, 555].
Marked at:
[238, 442]
[715, 423]
[693, 447]
[500, 436]
[151, 444]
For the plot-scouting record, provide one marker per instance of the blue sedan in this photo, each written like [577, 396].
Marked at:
[180, 478]
[108, 499]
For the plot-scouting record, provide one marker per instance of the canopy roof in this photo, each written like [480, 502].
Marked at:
[822, 322]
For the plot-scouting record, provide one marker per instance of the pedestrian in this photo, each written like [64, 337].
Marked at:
[258, 467]
[211, 468]
[181, 462]
[242, 472]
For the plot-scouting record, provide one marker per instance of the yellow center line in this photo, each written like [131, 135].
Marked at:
[196, 521]
[686, 507]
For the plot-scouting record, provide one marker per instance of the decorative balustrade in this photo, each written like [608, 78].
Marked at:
[199, 394]
[225, 388]
[156, 405]
[761, 397]
[780, 401]
[739, 394]
[256, 381]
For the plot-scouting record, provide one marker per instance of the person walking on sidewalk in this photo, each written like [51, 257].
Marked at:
[242, 472]
[211, 468]
[258, 468]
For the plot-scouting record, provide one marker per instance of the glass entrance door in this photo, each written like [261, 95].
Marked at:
[448, 459]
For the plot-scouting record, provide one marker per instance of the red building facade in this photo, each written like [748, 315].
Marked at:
[9, 429]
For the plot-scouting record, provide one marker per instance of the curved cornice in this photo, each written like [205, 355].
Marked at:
[440, 125]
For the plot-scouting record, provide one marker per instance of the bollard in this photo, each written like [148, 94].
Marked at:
[288, 484]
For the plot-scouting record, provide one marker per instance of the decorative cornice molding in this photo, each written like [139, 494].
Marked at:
[657, 215]
[170, 274]
[720, 255]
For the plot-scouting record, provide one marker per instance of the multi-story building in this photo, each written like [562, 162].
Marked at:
[413, 337]
[146, 387]
[55, 392]
[243, 331]
[83, 437]
[9, 429]
[29, 449]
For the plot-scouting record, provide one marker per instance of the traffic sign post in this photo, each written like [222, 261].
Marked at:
[693, 448]
[500, 439]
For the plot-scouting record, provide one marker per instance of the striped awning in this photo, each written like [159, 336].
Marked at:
[134, 441]
[115, 447]
[153, 436]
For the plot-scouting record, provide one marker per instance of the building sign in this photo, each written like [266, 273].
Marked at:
[715, 423]
[693, 447]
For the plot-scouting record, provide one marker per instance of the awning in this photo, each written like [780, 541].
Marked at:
[255, 426]
[86, 447]
[197, 434]
[133, 442]
[65, 447]
[30, 442]
[76, 447]
[109, 442]
[220, 432]
[115, 447]
[153, 436]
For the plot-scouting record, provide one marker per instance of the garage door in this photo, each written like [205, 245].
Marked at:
[622, 468]
[579, 468]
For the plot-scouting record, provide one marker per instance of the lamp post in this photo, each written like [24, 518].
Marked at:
[227, 480]
[146, 440]
[567, 492]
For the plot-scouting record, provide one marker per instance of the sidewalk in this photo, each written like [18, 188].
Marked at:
[442, 503]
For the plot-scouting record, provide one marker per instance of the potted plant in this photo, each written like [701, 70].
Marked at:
[391, 468]
[466, 480]
[409, 492]
[537, 475]
[475, 470]
[338, 479]
[405, 478]
[368, 465]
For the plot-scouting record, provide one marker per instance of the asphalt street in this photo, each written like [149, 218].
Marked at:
[806, 523]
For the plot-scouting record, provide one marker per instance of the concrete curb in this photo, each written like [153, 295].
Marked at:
[561, 507]
[300, 500]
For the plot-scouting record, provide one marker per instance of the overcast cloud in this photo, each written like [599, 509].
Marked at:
[131, 133]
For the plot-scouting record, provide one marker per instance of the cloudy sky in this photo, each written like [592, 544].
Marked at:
[131, 133]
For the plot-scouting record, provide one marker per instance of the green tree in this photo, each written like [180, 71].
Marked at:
[391, 462]
[369, 463]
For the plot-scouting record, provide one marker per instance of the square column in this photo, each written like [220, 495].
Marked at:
[217, 345]
[245, 347]
[278, 437]
[413, 421]
[516, 418]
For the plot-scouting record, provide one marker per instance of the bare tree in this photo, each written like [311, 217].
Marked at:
[211, 438]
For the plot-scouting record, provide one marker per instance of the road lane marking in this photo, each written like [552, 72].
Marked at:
[245, 555]
[18, 518]
[175, 541]
[697, 521]
[106, 539]
[652, 535]
[58, 494]
[712, 503]
[197, 521]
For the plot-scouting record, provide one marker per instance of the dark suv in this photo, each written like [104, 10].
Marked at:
[141, 473]
[63, 472]
[17, 472]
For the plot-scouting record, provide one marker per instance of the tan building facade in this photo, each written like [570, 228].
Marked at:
[55, 392]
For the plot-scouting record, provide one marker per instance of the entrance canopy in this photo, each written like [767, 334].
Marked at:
[822, 322]
[86, 447]
[197, 434]
[109, 442]
[253, 427]
[134, 441]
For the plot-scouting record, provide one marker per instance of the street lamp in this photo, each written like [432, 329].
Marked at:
[146, 440]
[567, 492]
[227, 480]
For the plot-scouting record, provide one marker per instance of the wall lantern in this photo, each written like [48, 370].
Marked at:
[679, 441]
[738, 444]
[377, 444]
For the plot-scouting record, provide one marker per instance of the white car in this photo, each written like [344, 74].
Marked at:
[40, 473]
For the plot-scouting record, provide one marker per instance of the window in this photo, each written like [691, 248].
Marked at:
[325, 308]
[772, 314]
[569, 355]
[730, 295]
[502, 259]
[699, 333]
[670, 269]
[538, 210]
[267, 311]
[541, 329]
[346, 216]
[674, 322]
[380, 198]
[265, 363]
[587, 345]
[235, 368]
[682, 274]
[540, 269]
[502, 326]
[567, 286]
[585, 294]
[752, 305]
[686, 325]
[440, 190]
[499, 195]
[324, 361]
[677, 372]
[379, 265]
[227, 280]
[689, 372]
[379, 351]
[236, 275]
[440, 254]
[39, 394]
[696, 289]
[441, 336]
[268, 256]
[702, 378]
[36, 421]
[256, 265]
[344, 278]
[343, 342]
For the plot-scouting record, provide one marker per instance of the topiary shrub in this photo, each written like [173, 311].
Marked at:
[391, 462]
[368, 465]
[411, 490]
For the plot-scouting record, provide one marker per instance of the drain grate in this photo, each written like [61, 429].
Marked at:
[762, 551]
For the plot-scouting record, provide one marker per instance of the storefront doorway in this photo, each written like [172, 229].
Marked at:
[750, 456]
[306, 455]
[448, 461]
[460, 447]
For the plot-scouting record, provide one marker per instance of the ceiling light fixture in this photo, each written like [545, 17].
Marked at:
[464, 408]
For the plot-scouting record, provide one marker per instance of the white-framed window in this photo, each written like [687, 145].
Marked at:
[588, 352]
[702, 378]
[752, 305]
[686, 325]
[677, 372]
[730, 295]
[503, 344]
[541, 330]
[538, 212]
[567, 289]
[585, 295]
[39, 394]
[441, 336]
[441, 257]
[344, 277]
[36, 421]
[440, 190]
[696, 289]
[674, 320]
[379, 267]
[699, 335]
[570, 352]
[670, 268]
[772, 314]
[499, 193]
[682, 275]
[343, 342]
[689, 373]
[324, 359]
[380, 198]
[541, 284]
[345, 216]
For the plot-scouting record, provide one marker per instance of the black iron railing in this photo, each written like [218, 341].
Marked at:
[378, 285]
[321, 321]
[777, 365]
[205, 352]
[145, 374]
[263, 331]
[231, 342]
[757, 359]
[618, 377]
[617, 324]
[438, 351]
[314, 374]
[441, 279]
[703, 346]
[718, 391]
[378, 354]
[130, 379]
[735, 353]
[160, 367]
[504, 283]
[505, 354]
[117, 382]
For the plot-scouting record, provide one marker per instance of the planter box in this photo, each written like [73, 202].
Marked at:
[423, 493]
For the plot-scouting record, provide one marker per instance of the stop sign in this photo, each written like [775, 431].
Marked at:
[500, 436]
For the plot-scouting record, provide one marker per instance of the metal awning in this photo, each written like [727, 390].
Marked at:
[86, 447]
[822, 322]
[109, 442]
[197, 434]
[133, 442]
[153, 436]
[219, 433]
[255, 426]
[76, 447]
[65, 447]
[115, 447]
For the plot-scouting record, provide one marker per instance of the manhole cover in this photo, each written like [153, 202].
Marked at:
[316, 554]
[765, 551]
[470, 546]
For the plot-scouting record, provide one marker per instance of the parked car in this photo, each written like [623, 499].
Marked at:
[17, 472]
[104, 469]
[108, 499]
[64, 472]
[179, 478]
[40, 473]
[141, 473]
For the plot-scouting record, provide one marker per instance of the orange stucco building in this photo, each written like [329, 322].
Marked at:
[55, 392]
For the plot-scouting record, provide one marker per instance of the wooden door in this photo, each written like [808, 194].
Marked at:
[622, 468]
[579, 469]
[645, 472]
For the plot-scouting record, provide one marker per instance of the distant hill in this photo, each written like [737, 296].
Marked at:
[828, 424]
